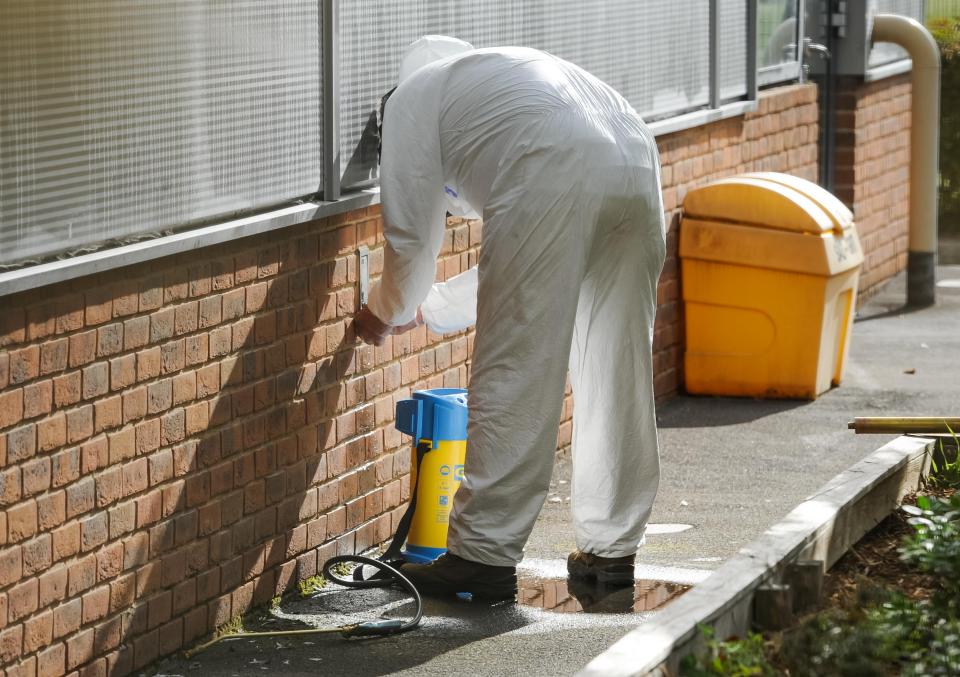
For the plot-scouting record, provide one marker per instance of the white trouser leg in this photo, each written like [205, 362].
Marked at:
[557, 251]
[615, 453]
[531, 263]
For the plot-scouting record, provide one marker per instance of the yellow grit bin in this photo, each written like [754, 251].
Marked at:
[769, 266]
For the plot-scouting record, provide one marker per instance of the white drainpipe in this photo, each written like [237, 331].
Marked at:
[924, 147]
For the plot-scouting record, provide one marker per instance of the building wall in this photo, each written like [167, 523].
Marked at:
[872, 173]
[182, 440]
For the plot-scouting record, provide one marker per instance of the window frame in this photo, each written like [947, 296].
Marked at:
[334, 199]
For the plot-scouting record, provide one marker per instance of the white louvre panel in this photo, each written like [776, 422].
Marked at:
[120, 118]
[672, 57]
[654, 52]
[733, 48]
[885, 52]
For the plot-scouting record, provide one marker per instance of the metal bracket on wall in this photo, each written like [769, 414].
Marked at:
[364, 274]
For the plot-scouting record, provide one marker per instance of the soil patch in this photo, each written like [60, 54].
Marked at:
[876, 557]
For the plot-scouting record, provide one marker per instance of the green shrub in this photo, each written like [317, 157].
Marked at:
[945, 464]
[734, 657]
[879, 631]
[946, 31]
[934, 546]
[882, 633]
[839, 642]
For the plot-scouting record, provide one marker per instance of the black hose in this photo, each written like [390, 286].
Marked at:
[386, 576]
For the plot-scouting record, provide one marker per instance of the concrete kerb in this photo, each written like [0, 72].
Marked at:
[821, 528]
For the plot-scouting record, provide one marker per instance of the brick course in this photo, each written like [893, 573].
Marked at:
[872, 174]
[182, 439]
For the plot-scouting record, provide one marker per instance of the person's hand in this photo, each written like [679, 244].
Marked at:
[412, 324]
[369, 328]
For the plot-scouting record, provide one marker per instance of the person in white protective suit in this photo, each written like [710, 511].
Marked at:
[567, 179]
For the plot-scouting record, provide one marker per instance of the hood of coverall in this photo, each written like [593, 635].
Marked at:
[424, 51]
[428, 49]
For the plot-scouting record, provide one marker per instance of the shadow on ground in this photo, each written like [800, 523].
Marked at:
[710, 412]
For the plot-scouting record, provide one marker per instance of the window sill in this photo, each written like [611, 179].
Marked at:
[701, 117]
[888, 70]
[32, 277]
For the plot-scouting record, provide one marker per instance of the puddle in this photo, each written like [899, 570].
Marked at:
[562, 595]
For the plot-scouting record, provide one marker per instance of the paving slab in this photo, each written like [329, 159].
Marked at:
[730, 469]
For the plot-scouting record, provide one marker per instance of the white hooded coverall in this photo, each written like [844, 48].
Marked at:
[567, 179]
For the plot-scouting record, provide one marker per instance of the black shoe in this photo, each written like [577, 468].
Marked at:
[450, 574]
[609, 570]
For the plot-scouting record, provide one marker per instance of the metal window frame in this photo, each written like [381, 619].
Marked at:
[714, 89]
[330, 48]
[888, 70]
[718, 107]
[334, 201]
[787, 70]
[894, 67]
[753, 77]
[53, 272]
[781, 72]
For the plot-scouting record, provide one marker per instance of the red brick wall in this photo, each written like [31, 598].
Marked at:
[872, 174]
[181, 440]
[184, 439]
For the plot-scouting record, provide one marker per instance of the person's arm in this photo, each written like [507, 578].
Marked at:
[411, 191]
[452, 305]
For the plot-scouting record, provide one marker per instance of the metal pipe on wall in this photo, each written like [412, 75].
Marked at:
[924, 146]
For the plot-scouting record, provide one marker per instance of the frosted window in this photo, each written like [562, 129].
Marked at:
[119, 118]
[655, 52]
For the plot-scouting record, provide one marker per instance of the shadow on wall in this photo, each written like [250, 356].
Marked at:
[276, 481]
[288, 469]
[253, 487]
[265, 491]
[196, 439]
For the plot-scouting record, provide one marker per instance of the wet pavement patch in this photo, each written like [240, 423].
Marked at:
[564, 595]
[552, 618]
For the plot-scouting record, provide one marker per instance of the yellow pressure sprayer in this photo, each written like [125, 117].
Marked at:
[437, 421]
